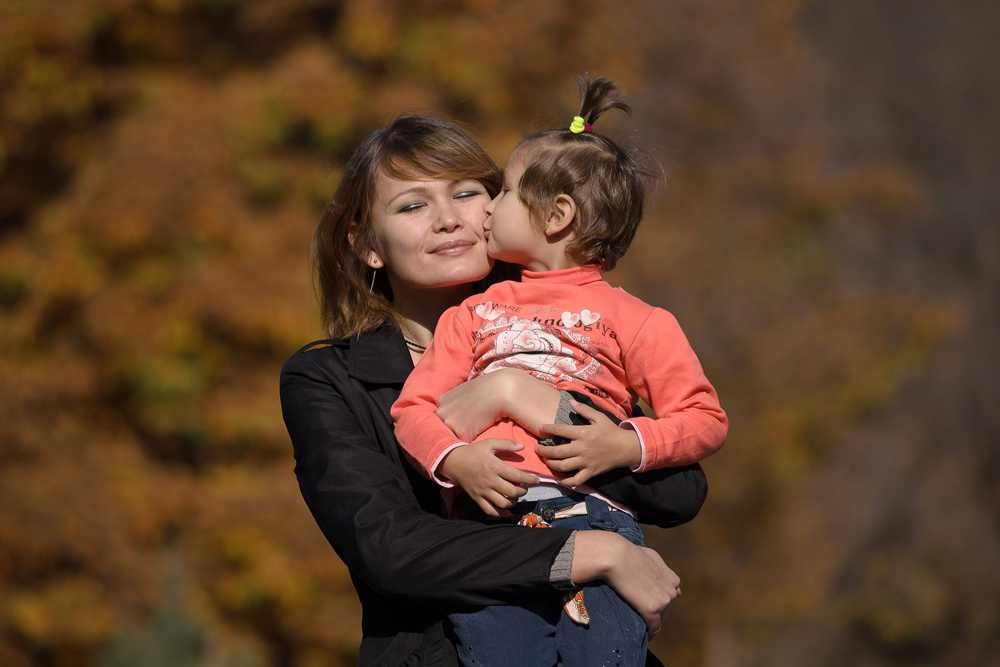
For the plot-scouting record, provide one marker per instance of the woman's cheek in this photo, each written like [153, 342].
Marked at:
[477, 219]
[404, 255]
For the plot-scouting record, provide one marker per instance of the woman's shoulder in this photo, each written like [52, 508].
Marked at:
[317, 354]
[376, 354]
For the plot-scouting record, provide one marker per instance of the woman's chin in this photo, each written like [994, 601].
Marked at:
[462, 273]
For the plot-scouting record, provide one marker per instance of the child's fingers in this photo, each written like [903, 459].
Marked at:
[515, 476]
[591, 415]
[567, 465]
[498, 500]
[568, 431]
[510, 491]
[577, 479]
[556, 452]
[486, 507]
[505, 446]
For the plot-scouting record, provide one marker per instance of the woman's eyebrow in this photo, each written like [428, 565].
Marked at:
[407, 191]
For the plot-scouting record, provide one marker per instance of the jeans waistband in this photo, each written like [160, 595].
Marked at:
[596, 508]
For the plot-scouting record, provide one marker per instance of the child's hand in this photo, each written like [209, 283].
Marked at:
[593, 449]
[493, 484]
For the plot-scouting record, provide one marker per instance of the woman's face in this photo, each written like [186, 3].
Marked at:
[430, 231]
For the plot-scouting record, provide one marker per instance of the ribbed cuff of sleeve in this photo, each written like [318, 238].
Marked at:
[562, 567]
[642, 445]
[443, 481]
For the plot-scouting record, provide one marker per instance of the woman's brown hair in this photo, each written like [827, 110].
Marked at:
[409, 147]
[606, 182]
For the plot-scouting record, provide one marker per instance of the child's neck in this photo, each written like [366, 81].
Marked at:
[553, 262]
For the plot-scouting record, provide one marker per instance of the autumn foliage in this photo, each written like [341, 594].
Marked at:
[162, 165]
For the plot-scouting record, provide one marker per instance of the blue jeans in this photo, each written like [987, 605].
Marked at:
[539, 633]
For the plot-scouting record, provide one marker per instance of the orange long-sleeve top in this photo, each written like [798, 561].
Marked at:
[570, 328]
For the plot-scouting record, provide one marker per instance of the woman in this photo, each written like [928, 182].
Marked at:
[401, 242]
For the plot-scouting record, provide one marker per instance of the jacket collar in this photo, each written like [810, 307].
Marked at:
[379, 356]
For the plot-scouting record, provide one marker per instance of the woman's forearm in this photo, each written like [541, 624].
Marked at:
[595, 553]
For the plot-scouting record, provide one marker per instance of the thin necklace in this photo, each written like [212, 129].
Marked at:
[414, 346]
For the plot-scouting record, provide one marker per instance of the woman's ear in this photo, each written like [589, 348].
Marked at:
[562, 213]
[372, 259]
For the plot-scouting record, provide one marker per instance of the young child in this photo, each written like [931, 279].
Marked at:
[569, 208]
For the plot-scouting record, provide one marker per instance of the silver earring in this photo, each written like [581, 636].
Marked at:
[371, 288]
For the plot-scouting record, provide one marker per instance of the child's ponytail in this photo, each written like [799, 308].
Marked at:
[598, 96]
[605, 181]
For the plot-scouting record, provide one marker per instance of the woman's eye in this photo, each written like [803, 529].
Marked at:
[409, 208]
[468, 193]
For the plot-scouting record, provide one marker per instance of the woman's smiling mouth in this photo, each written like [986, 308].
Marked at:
[456, 247]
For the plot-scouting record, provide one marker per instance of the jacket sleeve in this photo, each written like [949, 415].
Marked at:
[363, 502]
[445, 365]
[690, 423]
[666, 497]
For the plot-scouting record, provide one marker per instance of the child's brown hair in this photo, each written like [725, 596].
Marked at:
[606, 182]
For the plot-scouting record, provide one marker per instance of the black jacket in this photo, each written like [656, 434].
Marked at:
[410, 565]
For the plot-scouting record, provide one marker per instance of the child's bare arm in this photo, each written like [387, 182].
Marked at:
[471, 407]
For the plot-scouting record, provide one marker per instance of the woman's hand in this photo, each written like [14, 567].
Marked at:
[492, 483]
[471, 407]
[595, 448]
[638, 574]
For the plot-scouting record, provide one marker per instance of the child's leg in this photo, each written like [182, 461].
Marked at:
[503, 635]
[616, 634]
[507, 634]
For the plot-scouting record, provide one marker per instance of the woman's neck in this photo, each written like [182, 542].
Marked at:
[420, 308]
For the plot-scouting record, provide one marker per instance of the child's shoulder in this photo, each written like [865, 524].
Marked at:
[625, 299]
[636, 311]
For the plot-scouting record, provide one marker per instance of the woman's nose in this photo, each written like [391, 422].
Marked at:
[448, 220]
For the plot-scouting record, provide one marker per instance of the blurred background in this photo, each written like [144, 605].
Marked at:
[825, 232]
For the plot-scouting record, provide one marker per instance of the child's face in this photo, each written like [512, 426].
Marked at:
[511, 235]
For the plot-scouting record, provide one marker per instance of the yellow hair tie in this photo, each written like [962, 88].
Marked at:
[578, 125]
